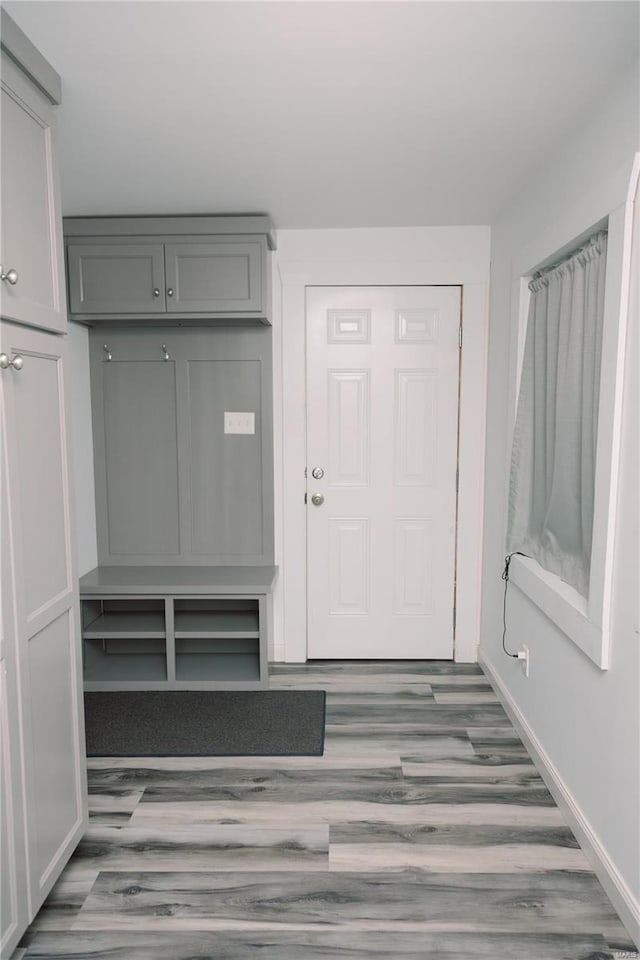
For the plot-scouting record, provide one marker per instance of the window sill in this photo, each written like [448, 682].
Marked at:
[563, 605]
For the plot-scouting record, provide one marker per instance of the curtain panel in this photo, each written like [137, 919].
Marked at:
[551, 490]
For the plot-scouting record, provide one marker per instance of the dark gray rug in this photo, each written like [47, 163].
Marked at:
[195, 723]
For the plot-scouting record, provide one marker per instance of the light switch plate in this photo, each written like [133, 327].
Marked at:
[237, 422]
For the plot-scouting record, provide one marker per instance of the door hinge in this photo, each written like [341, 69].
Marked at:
[457, 479]
[460, 338]
[305, 498]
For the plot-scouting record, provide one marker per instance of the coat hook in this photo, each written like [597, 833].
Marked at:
[107, 351]
[166, 355]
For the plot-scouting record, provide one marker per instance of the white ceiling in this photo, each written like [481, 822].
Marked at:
[321, 113]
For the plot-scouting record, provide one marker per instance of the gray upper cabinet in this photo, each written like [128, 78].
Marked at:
[31, 253]
[115, 277]
[192, 270]
[218, 277]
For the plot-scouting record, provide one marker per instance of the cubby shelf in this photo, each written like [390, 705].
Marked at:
[175, 628]
[140, 623]
[228, 623]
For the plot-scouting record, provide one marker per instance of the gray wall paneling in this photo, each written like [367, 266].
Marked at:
[171, 486]
[140, 457]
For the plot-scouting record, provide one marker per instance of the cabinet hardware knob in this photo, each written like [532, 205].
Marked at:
[170, 291]
[11, 276]
[16, 362]
[317, 499]
[156, 292]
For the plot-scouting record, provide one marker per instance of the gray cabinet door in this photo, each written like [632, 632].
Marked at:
[44, 631]
[119, 277]
[31, 253]
[14, 916]
[214, 277]
[13, 890]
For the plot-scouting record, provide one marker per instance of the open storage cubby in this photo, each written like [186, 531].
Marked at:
[124, 640]
[152, 628]
[219, 635]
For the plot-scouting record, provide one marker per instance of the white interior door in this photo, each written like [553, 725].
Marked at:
[382, 416]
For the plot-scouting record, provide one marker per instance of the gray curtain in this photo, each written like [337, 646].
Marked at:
[554, 446]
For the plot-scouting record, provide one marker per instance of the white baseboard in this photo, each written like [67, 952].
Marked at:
[615, 886]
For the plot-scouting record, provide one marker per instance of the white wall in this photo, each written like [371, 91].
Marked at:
[354, 257]
[584, 721]
[82, 448]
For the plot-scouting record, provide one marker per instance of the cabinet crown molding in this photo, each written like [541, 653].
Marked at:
[175, 226]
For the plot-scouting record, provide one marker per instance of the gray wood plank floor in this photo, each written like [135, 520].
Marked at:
[424, 831]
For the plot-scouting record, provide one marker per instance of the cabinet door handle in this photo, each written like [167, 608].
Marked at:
[169, 291]
[11, 276]
[156, 292]
[16, 362]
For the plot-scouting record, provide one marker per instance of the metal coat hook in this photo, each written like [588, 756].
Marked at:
[165, 355]
[107, 351]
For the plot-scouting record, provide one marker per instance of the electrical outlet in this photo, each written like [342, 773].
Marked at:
[523, 657]
[238, 422]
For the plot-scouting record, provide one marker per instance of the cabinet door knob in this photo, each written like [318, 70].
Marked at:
[16, 362]
[170, 291]
[156, 292]
[11, 276]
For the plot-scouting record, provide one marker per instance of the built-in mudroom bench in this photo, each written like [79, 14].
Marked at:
[180, 358]
[176, 627]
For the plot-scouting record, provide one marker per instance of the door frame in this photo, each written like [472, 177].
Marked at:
[292, 277]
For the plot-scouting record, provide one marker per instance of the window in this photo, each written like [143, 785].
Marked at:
[551, 492]
[584, 613]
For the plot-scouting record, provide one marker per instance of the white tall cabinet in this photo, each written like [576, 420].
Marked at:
[42, 766]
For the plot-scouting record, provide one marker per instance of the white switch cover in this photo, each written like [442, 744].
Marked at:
[239, 422]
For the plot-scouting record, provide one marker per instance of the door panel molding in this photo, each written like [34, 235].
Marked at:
[413, 566]
[349, 396]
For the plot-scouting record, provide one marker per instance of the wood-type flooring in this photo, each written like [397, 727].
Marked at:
[425, 831]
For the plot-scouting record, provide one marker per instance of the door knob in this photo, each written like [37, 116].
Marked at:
[16, 362]
[317, 499]
[11, 276]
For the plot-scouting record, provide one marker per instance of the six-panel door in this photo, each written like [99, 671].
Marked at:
[382, 407]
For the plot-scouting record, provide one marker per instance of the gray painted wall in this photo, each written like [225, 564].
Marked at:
[586, 720]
